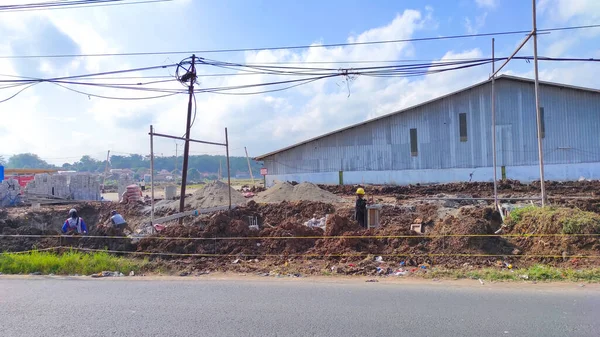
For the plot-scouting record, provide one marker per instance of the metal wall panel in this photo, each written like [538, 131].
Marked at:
[572, 121]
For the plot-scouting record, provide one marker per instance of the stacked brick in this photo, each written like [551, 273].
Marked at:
[124, 181]
[46, 185]
[133, 193]
[10, 192]
[84, 187]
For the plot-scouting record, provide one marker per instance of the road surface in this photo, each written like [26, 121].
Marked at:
[212, 307]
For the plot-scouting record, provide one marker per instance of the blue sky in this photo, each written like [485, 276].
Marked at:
[62, 125]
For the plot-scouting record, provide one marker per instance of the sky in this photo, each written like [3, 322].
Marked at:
[61, 125]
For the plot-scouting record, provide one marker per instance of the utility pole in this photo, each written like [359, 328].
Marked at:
[220, 176]
[228, 170]
[494, 126]
[249, 167]
[151, 175]
[537, 106]
[105, 171]
[186, 149]
[176, 156]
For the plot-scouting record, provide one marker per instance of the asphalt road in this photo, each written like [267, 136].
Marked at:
[204, 307]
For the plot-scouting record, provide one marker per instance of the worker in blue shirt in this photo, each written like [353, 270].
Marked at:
[74, 224]
[118, 221]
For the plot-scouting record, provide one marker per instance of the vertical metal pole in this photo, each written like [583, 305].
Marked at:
[537, 106]
[186, 148]
[151, 175]
[249, 167]
[494, 154]
[228, 169]
[176, 155]
[105, 172]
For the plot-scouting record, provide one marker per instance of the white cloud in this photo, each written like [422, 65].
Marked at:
[486, 3]
[473, 28]
[63, 124]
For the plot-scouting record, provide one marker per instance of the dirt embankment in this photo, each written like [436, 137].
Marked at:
[282, 236]
[507, 188]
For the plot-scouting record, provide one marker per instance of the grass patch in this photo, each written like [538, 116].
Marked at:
[557, 220]
[68, 263]
[536, 272]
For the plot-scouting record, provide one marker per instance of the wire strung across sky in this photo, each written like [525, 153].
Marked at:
[188, 52]
[70, 4]
[306, 75]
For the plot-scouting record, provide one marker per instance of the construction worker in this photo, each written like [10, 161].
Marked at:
[117, 220]
[74, 224]
[360, 208]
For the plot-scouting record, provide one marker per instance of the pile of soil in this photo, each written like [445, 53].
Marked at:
[475, 189]
[214, 194]
[280, 192]
[337, 225]
[284, 191]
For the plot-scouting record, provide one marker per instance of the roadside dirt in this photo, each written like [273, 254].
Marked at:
[224, 237]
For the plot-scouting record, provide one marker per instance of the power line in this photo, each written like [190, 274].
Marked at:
[436, 38]
[72, 5]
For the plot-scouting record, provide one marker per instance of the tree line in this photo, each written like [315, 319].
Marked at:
[135, 162]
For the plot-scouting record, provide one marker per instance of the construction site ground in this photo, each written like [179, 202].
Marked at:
[459, 225]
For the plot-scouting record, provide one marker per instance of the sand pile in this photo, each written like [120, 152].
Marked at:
[214, 194]
[284, 191]
[211, 195]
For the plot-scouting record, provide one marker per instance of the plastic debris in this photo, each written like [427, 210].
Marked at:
[131, 273]
[314, 222]
[236, 261]
[36, 273]
[402, 264]
[371, 280]
[525, 277]
[351, 265]
[481, 281]
[379, 259]
[401, 272]
[184, 273]
[106, 274]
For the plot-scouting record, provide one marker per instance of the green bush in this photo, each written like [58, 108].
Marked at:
[68, 263]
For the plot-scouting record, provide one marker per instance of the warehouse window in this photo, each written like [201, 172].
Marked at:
[462, 120]
[542, 123]
[413, 142]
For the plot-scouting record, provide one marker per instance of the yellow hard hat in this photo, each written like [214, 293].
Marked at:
[360, 191]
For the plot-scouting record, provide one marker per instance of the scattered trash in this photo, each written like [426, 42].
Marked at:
[258, 245]
[297, 275]
[402, 264]
[379, 259]
[204, 272]
[184, 273]
[106, 274]
[286, 264]
[380, 270]
[524, 277]
[516, 251]
[255, 260]
[400, 272]
[314, 222]
[131, 273]
[265, 274]
[236, 261]
[423, 267]
[582, 285]
[36, 273]
[481, 281]
[48, 274]
[351, 265]
[372, 280]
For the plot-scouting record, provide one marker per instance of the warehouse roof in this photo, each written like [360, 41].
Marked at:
[501, 77]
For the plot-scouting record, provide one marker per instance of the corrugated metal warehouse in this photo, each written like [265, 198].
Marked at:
[448, 139]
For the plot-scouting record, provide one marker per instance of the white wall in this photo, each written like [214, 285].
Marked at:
[525, 174]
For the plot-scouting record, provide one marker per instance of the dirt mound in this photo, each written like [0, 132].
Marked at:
[284, 191]
[555, 220]
[292, 246]
[336, 225]
[312, 192]
[214, 194]
[280, 192]
[470, 221]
